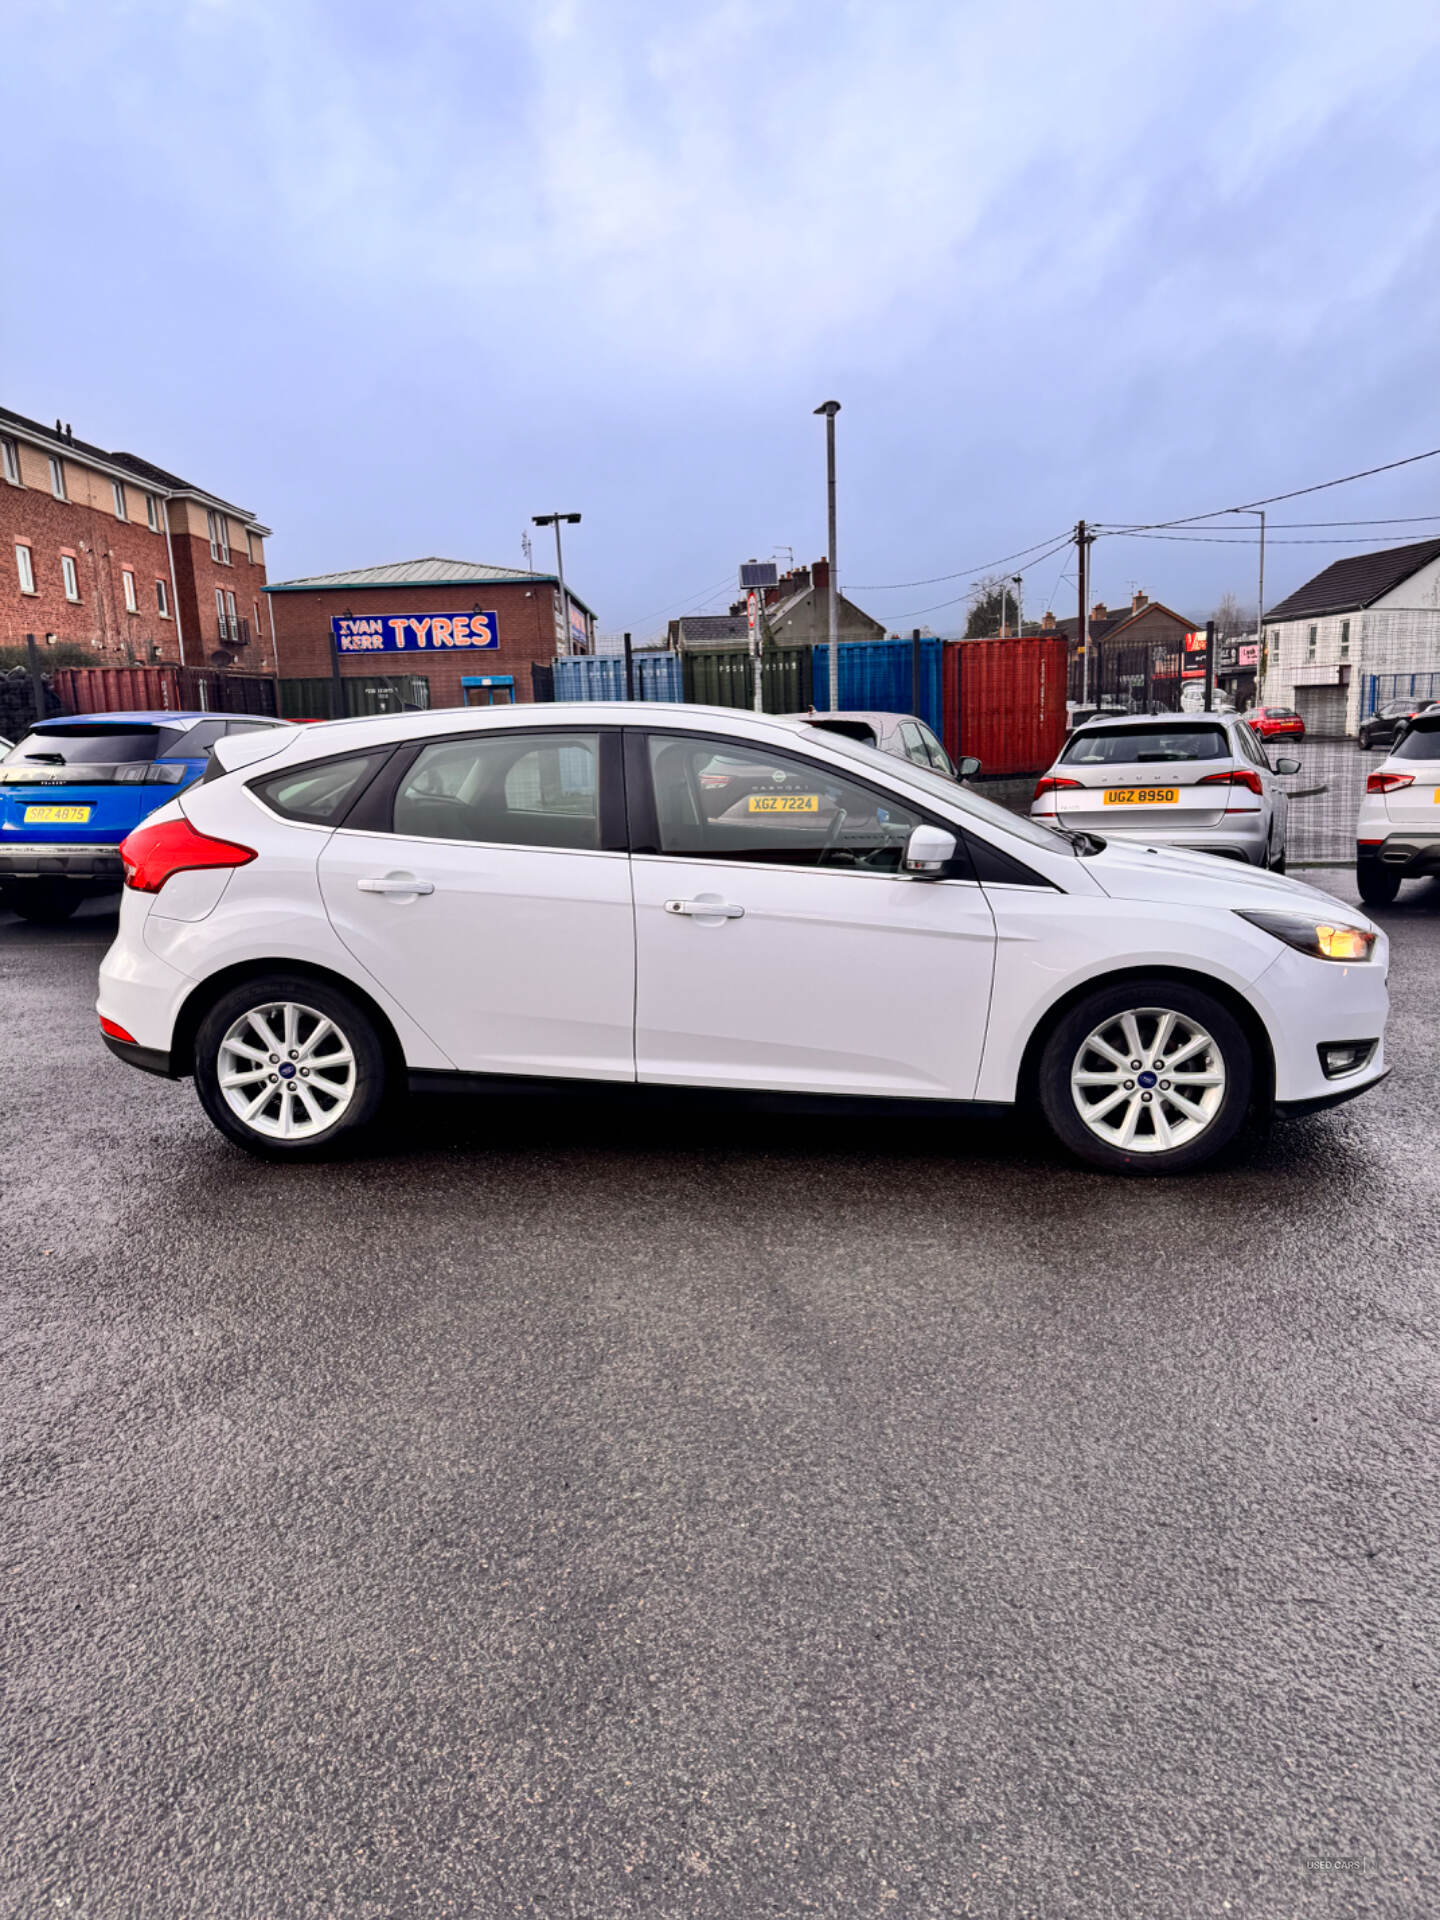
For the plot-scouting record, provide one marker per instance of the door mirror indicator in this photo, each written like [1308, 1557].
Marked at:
[928, 852]
[1287, 766]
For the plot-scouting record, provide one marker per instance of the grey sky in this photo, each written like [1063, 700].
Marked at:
[397, 277]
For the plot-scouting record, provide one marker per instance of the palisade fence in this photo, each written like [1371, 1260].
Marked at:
[70, 690]
[1000, 700]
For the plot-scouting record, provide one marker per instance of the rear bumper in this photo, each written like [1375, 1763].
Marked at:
[1238, 836]
[147, 1059]
[79, 860]
[1411, 855]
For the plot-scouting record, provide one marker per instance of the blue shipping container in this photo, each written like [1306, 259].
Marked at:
[587, 677]
[878, 676]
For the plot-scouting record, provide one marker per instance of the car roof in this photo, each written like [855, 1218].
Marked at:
[1150, 719]
[872, 716]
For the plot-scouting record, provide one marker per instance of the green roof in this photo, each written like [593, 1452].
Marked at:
[429, 572]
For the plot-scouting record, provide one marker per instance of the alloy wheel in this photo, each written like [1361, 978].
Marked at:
[1148, 1080]
[286, 1071]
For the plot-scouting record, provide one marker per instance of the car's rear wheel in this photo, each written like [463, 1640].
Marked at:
[1147, 1077]
[288, 1067]
[1377, 885]
[44, 902]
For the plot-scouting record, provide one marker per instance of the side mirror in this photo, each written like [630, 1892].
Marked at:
[928, 852]
[1287, 766]
[968, 767]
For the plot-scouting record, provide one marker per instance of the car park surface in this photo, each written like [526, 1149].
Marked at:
[395, 900]
[563, 1509]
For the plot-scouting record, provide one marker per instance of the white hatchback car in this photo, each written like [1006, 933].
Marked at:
[1397, 836]
[1198, 780]
[698, 897]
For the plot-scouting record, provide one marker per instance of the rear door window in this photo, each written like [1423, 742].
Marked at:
[1170, 743]
[505, 789]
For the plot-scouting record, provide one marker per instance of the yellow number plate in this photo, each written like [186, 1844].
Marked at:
[1142, 796]
[56, 816]
[783, 803]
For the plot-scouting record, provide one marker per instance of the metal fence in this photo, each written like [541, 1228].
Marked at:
[363, 694]
[657, 676]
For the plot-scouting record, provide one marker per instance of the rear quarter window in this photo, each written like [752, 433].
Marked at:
[320, 793]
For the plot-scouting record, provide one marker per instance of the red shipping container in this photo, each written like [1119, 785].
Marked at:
[1005, 702]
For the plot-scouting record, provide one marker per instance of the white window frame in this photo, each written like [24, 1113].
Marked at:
[10, 460]
[152, 513]
[1344, 639]
[162, 597]
[127, 583]
[234, 617]
[219, 531]
[57, 477]
[117, 488]
[220, 615]
[25, 566]
[1312, 635]
[71, 577]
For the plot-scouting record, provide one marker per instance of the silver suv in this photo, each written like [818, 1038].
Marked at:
[1201, 781]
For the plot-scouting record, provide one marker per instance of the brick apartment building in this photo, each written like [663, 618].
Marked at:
[406, 602]
[109, 552]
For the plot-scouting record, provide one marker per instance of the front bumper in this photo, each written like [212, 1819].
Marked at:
[34, 860]
[1411, 855]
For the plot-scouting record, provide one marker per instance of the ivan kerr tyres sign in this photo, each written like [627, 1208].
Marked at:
[414, 632]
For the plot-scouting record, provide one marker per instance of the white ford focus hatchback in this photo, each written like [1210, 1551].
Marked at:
[697, 897]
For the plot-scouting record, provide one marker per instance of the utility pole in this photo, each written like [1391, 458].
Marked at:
[1209, 666]
[1259, 513]
[1082, 543]
[830, 408]
[1019, 607]
[554, 520]
[629, 669]
[37, 679]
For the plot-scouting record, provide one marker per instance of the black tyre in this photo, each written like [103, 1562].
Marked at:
[289, 1068]
[44, 902]
[1378, 885]
[1183, 1103]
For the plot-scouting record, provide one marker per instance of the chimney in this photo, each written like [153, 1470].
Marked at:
[59, 429]
[820, 575]
[1098, 611]
[1047, 622]
[1138, 600]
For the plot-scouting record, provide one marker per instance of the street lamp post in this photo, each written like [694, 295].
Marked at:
[830, 408]
[554, 520]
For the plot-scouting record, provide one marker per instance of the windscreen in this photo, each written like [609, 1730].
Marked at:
[1421, 741]
[1127, 746]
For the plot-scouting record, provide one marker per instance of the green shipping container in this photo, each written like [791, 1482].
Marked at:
[727, 679]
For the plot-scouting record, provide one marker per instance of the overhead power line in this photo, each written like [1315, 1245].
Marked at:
[1039, 560]
[964, 573]
[1270, 499]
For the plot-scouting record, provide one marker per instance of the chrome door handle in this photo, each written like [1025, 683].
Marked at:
[706, 909]
[394, 883]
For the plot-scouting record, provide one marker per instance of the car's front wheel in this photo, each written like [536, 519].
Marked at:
[1147, 1077]
[288, 1067]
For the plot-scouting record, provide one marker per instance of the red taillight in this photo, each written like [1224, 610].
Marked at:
[117, 1032]
[152, 853]
[1388, 782]
[1051, 784]
[1236, 777]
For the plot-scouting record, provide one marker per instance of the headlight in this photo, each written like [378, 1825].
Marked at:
[1321, 938]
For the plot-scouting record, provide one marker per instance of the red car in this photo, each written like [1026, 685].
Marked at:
[1277, 723]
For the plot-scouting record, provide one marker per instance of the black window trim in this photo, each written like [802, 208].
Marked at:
[645, 824]
[377, 814]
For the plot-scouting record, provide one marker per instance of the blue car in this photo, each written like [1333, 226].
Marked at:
[73, 788]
